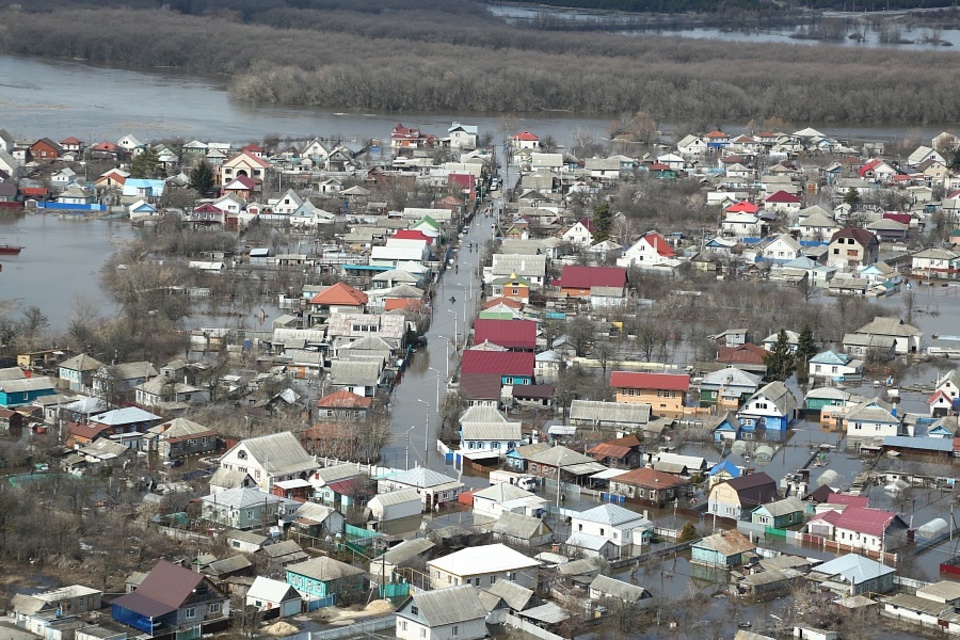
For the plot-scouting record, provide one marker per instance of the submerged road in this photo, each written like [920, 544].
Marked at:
[414, 413]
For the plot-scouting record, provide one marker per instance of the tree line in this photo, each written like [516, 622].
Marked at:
[439, 62]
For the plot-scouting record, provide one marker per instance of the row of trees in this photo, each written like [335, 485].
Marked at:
[338, 63]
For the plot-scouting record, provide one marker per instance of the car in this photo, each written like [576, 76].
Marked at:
[173, 463]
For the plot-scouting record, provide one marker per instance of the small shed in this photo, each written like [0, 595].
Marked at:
[266, 595]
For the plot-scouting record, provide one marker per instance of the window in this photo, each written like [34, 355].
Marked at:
[423, 632]
[414, 610]
[190, 613]
[601, 530]
[493, 579]
[241, 455]
[579, 527]
[455, 631]
[215, 608]
[403, 625]
[449, 579]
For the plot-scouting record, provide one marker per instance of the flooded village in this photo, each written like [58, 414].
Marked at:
[458, 383]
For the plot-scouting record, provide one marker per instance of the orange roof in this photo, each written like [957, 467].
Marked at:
[344, 400]
[403, 304]
[341, 295]
[507, 302]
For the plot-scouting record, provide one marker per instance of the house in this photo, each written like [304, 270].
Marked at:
[611, 522]
[852, 247]
[779, 514]
[326, 579]
[691, 146]
[606, 588]
[482, 566]
[520, 529]
[270, 458]
[736, 496]
[513, 367]
[837, 367]
[44, 149]
[446, 614]
[79, 370]
[524, 140]
[727, 427]
[114, 380]
[244, 164]
[773, 408]
[164, 392]
[407, 553]
[563, 462]
[852, 575]
[173, 601]
[338, 298]
[314, 520]
[664, 392]
[581, 233]
[509, 289]
[781, 249]
[783, 202]
[648, 486]
[343, 405]
[650, 251]
[860, 528]
[266, 594]
[946, 394]
[38, 609]
[435, 489]
[578, 281]
[490, 436]
[872, 419]
[14, 393]
[242, 508]
[516, 335]
[722, 549]
[621, 453]
[532, 268]
[462, 136]
[728, 388]
[360, 378]
[936, 263]
[595, 414]
[395, 505]
[885, 334]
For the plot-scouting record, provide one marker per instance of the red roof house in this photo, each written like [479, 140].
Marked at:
[576, 281]
[518, 335]
[511, 366]
[412, 234]
[782, 197]
[744, 206]
[637, 380]
[340, 295]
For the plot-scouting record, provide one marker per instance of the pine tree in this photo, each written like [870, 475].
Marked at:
[201, 178]
[602, 222]
[805, 347]
[146, 165]
[780, 362]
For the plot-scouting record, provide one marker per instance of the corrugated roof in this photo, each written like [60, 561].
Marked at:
[512, 334]
[597, 411]
[727, 543]
[580, 277]
[492, 431]
[168, 584]
[271, 590]
[660, 381]
[324, 569]
[517, 525]
[279, 453]
[449, 606]
[397, 497]
[421, 477]
[489, 558]
[619, 589]
[516, 596]
[503, 363]
[650, 479]
[610, 514]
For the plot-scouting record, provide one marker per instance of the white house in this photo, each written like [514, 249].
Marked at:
[270, 458]
[782, 249]
[774, 407]
[266, 594]
[692, 146]
[834, 366]
[505, 497]
[611, 522]
[580, 234]
[741, 224]
[873, 419]
[445, 614]
[650, 251]
[462, 136]
[482, 566]
[486, 433]
[936, 263]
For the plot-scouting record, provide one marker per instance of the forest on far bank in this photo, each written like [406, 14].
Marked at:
[455, 57]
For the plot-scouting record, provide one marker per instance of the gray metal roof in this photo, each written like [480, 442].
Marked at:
[324, 569]
[517, 525]
[356, 373]
[618, 589]
[492, 431]
[449, 606]
[516, 596]
[279, 453]
[592, 411]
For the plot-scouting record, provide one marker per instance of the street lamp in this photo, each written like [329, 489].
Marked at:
[426, 431]
[406, 454]
[456, 317]
[446, 342]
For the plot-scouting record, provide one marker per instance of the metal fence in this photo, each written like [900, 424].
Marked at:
[362, 627]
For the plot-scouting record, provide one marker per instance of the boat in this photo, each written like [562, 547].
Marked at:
[9, 250]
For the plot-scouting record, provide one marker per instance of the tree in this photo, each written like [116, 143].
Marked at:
[780, 362]
[146, 165]
[909, 305]
[602, 222]
[32, 326]
[851, 197]
[688, 533]
[805, 347]
[201, 178]
[605, 353]
[581, 333]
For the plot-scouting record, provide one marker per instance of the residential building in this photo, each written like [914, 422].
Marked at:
[325, 579]
[395, 505]
[779, 514]
[79, 370]
[834, 366]
[936, 263]
[445, 614]
[736, 496]
[610, 522]
[482, 566]
[728, 388]
[885, 334]
[650, 251]
[270, 458]
[852, 247]
[722, 549]
[648, 486]
[242, 508]
[872, 419]
[853, 575]
[774, 408]
[860, 528]
[435, 489]
[578, 281]
[664, 392]
[173, 601]
[266, 594]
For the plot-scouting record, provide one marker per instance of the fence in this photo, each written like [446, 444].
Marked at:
[364, 627]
